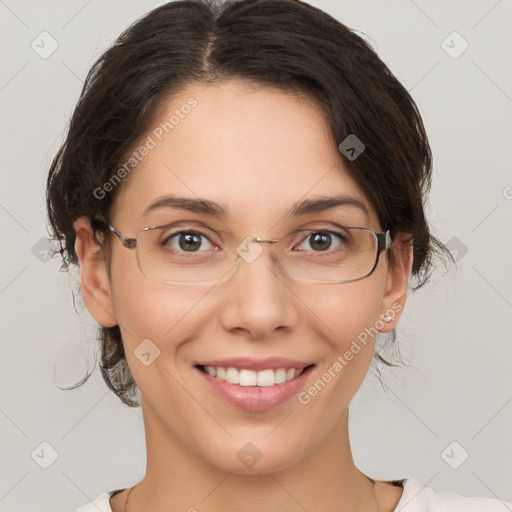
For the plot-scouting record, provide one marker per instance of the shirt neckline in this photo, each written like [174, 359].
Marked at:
[411, 489]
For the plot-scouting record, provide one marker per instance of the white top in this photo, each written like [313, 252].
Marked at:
[415, 498]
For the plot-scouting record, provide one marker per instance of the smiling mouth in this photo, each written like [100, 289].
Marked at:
[245, 377]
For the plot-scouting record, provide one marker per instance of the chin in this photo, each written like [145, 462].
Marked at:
[255, 458]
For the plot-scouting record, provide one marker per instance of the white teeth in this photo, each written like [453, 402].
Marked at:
[280, 375]
[232, 376]
[247, 378]
[263, 378]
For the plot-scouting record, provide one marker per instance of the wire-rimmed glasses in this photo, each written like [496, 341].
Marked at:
[173, 253]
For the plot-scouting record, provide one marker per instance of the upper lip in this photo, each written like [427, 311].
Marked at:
[270, 363]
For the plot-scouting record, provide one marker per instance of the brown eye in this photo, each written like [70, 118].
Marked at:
[187, 241]
[320, 241]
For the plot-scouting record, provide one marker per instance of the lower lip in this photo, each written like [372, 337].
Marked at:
[256, 398]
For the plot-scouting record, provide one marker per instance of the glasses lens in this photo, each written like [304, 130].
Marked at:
[333, 256]
[181, 256]
[188, 257]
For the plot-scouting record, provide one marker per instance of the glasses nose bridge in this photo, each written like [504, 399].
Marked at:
[249, 255]
[272, 243]
[262, 240]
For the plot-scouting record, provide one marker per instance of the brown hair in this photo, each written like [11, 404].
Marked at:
[287, 44]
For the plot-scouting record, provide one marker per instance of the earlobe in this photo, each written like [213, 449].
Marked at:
[95, 282]
[397, 283]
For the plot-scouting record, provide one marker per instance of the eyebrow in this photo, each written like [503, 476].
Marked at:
[301, 208]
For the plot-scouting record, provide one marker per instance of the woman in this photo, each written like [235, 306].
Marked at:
[242, 186]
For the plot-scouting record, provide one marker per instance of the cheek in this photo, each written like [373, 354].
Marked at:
[149, 310]
[347, 311]
[156, 322]
[347, 320]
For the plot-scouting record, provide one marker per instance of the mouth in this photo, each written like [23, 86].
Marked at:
[255, 390]
[246, 377]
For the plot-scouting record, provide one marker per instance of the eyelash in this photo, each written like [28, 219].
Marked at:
[165, 240]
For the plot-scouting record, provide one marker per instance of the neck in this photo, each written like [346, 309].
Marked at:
[177, 478]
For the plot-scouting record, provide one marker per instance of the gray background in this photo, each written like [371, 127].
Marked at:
[455, 333]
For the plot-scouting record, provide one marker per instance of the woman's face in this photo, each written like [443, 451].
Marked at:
[257, 152]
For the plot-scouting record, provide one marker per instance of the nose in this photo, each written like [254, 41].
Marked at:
[259, 299]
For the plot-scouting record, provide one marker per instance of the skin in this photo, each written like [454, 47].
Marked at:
[266, 150]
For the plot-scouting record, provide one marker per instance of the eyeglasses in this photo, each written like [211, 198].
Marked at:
[175, 254]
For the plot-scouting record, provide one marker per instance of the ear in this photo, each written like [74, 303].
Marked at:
[95, 281]
[397, 283]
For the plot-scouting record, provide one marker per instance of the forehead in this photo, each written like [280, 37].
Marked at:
[255, 150]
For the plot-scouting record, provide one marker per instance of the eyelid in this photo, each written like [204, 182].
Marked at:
[340, 234]
[202, 225]
[170, 234]
[336, 228]
[184, 225]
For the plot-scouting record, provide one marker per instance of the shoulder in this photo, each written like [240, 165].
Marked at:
[420, 498]
[100, 504]
[416, 497]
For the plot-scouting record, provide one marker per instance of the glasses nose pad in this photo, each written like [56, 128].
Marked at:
[249, 249]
